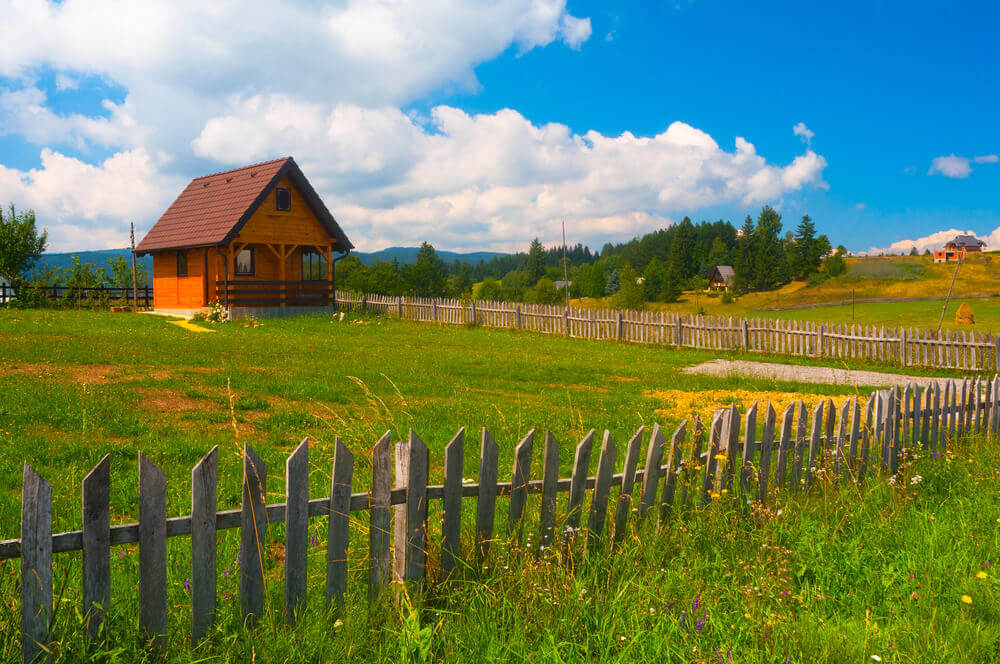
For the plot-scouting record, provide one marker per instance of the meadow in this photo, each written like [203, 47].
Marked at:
[874, 277]
[839, 575]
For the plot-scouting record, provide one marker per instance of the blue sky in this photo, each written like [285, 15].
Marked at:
[480, 127]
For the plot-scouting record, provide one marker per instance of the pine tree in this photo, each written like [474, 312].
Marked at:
[536, 261]
[744, 267]
[654, 278]
[770, 267]
[802, 260]
[718, 254]
[614, 283]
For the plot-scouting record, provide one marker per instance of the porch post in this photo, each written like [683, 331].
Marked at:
[329, 275]
[281, 271]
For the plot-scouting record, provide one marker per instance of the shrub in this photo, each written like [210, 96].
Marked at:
[727, 297]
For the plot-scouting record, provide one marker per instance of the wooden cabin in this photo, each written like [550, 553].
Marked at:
[720, 277]
[256, 239]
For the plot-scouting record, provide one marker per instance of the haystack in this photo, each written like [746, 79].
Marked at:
[964, 315]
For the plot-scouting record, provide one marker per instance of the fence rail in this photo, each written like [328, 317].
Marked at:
[965, 350]
[80, 294]
[274, 293]
[858, 441]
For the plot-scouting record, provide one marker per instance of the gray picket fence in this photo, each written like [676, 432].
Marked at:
[859, 440]
[966, 350]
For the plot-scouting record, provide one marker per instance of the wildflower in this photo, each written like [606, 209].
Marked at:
[966, 599]
[913, 595]
[916, 479]
[721, 456]
[876, 658]
[621, 638]
[982, 575]
[338, 624]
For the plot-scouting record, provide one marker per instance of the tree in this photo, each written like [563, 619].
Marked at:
[770, 268]
[545, 292]
[588, 281]
[718, 254]
[744, 266]
[536, 261]
[613, 284]
[488, 289]
[515, 283]
[835, 264]
[21, 245]
[121, 273]
[672, 287]
[801, 259]
[913, 251]
[426, 276]
[654, 278]
[630, 294]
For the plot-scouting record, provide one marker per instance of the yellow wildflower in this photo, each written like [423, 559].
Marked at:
[966, 599]
[982, 575]
[721, 456]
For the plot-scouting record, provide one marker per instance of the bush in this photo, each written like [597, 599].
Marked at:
[712, 293]
[727, 297]
[816, 278]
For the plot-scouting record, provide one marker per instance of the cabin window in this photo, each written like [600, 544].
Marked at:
[283, 199]
[182, 264]
[313, 265]
[244, 262]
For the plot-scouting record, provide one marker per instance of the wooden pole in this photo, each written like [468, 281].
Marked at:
[565, 269]
[953, 276]
[135, 282]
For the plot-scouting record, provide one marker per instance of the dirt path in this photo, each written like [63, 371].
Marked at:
[806, 374]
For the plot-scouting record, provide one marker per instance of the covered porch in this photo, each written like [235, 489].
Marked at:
[275, 275]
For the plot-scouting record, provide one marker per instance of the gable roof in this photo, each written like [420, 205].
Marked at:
[966, 241]
[726, 272]
[213, 208]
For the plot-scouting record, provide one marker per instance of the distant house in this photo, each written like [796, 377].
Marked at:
[720, 278]
[6, 290]
[958, 247]
[563, 284]
[257, 239]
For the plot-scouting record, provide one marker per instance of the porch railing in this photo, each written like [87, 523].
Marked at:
[274, 293]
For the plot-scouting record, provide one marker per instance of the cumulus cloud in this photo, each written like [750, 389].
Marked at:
[494, 179]
[936, 241]
[211, 85]
[803, 132]
[987, 159]
[73, 194]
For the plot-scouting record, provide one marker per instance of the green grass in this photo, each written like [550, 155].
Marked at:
[821, 578]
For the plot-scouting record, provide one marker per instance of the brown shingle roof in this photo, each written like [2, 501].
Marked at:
[213, 208]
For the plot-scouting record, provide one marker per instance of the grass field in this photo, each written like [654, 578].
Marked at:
[829, 577]
[867, 278]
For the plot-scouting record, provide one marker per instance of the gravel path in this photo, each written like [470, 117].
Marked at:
[806, 374]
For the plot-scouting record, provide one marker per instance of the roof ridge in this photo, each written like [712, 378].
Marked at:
[242, 168]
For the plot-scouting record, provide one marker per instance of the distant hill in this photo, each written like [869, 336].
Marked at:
[404, 255]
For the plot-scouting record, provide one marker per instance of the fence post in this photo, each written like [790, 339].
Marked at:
[744, 335]
[679, 334]
[902, 347]
[36, 564]
[399, 305]
[621, 326]
[819, 340]
[517, 316]
[566, 322]
[996, 352]
[473, 307]
[434, 309]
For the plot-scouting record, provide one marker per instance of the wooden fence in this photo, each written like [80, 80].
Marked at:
[79, 295]
[845, 445]
[967, 350]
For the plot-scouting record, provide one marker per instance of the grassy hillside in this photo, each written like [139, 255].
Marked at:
[867, 278]
[840, 575]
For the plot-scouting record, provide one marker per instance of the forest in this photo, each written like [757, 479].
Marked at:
[656, 267]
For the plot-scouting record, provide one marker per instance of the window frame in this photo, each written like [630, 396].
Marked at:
[182, 258]
[253, 263]
[321, 259]
[277, 202]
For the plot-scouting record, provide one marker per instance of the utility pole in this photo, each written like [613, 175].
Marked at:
[955, 274]
[135, 281]
[565, 269]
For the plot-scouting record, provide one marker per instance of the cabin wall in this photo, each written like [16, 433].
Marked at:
[296, 226]
[173, 292]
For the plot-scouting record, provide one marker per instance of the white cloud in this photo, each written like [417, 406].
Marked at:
[69, 195]
[986, 159]
[860, 206]
[226, 83]
[936, 241]
[951, 166]
[496, 179]
[803, 132]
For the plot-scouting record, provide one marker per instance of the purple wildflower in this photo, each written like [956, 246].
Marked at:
[694, 607]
